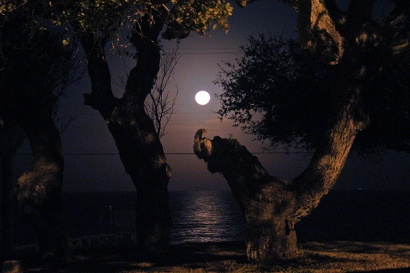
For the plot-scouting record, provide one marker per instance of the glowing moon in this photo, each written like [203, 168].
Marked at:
[202, 97]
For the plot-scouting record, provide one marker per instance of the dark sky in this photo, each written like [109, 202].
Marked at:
[92, 162]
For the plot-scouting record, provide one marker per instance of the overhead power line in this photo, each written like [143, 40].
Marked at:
[206, 51]
[171, 153]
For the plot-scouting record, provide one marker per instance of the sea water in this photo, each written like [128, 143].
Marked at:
[204, 216]
[214, 216]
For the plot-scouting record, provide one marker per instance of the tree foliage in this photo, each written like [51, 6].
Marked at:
[106, 16]
[351, 80]
[27, 23]
[387, 103]
[278, 92]
[274, 92]
[35, 67]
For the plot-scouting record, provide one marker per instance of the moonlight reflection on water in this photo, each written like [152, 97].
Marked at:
[206, 216]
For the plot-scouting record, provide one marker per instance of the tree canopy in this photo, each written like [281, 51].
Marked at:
[105, 17]
[348, 78]
[272, 93]
[278, 92]
[35, 67]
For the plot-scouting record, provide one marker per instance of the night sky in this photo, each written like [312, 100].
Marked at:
[91, 158]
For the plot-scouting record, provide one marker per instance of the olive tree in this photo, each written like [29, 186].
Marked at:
[96, 25]
[35, 69]
[11, 137]
[350, 87]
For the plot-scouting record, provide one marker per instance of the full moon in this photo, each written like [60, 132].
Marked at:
[202, 97]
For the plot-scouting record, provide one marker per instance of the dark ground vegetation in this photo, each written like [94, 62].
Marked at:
[337, 256]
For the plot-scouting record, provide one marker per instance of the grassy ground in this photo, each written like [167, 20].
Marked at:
[341, 256]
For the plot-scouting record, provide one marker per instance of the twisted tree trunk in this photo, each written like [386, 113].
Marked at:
[39, 190]
[272, 206]
[265, 201]
[11, 138]
[140, 149]
[6, 206]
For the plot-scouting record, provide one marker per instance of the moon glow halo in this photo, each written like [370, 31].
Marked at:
[202, 97]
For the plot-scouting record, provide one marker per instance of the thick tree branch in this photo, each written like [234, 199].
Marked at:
[332, 152]
[244, 173]
[318, 32]
[142, 77]
[11, 137]
[264, 200]
[101, 97]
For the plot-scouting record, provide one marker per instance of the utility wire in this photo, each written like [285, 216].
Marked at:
[206, 51]
[172, 153]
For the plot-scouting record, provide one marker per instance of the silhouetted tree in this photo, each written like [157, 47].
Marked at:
[135, 135]
[35, 68]
[357, 53]
[278, 92]
[11, 137]
[95, 24]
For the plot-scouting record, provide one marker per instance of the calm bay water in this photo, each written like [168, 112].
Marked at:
[211, 216]
[204, 216]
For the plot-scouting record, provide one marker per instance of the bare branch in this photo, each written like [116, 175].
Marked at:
[161, 101]
[67, 120]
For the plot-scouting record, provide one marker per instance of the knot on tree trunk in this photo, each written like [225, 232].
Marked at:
[39, 198]
[268, 242]
[39, 191]
[202, 145]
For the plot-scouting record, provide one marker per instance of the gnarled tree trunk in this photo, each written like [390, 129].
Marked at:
[272, 206]
[6, 206]
[11, 138]
[39, 190]
[265, 201]
[140, 149]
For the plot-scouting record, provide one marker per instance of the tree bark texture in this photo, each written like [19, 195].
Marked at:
[272, 206]
[140, 149]
[11, 138]
[39, 190]
[27, 100]
[265, 201]
[6, 206]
